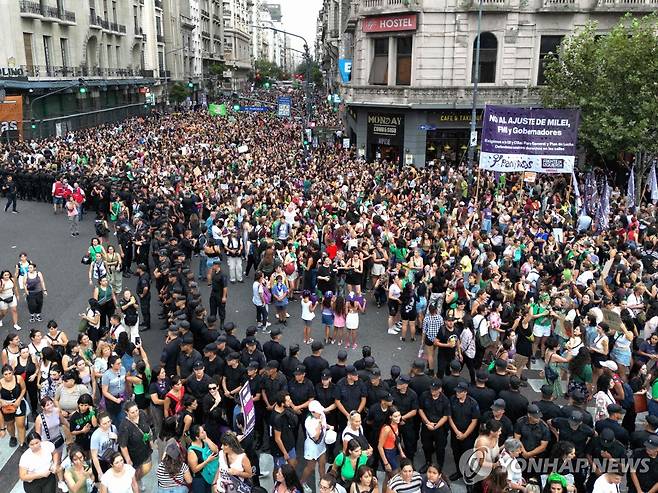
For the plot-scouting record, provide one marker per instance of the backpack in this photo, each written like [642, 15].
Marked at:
[628, 402]
[100, 228]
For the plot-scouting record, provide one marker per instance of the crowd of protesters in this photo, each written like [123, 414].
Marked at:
[490, 278]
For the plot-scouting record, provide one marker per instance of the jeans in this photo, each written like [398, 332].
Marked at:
[261, 314]
[177, 489]
[203, 267]
[11, 201]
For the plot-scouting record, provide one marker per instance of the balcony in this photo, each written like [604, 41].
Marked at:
[160, 38]
[43, 71]
[165, 74]
[30, 9]
[117, 28]
[438, 97]
[375, 7]
[94, 20]
[626, 5]
[205, 34]
[488, 5]
[205, 13]
[560, 5]
[186, 22]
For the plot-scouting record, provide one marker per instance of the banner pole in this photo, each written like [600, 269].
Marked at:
[477, 189]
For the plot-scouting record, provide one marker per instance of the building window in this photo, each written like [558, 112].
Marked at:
[548, 44]
[403, 66]
[47, 52]
[488, 55]
[379, 67]
[64, 47]
[27, 45]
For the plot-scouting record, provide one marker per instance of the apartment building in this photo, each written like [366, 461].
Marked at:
[408, 97]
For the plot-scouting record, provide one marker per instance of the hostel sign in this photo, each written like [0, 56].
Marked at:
[390, 23]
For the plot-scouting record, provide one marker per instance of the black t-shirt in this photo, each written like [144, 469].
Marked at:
[484, 396]
[516, 405]
[507, 430]
[235, 377]
[497, 382]
[325, 396]
[375, 392]
[170, 355]
[435, 409]
[338, 372]
[160, 388]
[549, 409]
[532, 434]
[213, 368]
[405, 402]
[77, 422]
[579, 437]
[350, 395]
[219, 282]
[186, 362]
[143, 282]
[588, 419]
[198, 388]
[136, 438]
[272, 386]
[300, 392]
[284, 423]
[315, 365]
[646, 471]
[274, 351]
[463, 413]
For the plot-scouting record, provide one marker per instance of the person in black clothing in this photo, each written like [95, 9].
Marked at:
[283, 422]
[301, 392]
[198, 327]
[125, 237]
[497, 413]
[546, 405]
[499, 380]
[350, 396]
[252, 353]
[234, 377]
[325, 393]
[601, 448]
[375, 388]
[532, 432]
[273, 383]
[255, 380]
[642, 479]
[463, 420]
[420, 381]
[406, 401]
[144, 293]
[232, 341]
[578, 404]
[10, 192]
[338, 370]
[446, 351]
[212, 363]
[574, 430]
[360, 364]
[169, 355]
[451, 381]
[197, 385]
[290, 362]
[218, 293]
[395, 373]
[638, 437]
[516, 404]
[434, 412]
[187, 357]
[315, 364]
[273, 349]
[482, 394]
[613, 422]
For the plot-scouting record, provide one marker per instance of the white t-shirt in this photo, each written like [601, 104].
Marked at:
[39, 462]
[394, 291]
[119, 484]
[601, 485]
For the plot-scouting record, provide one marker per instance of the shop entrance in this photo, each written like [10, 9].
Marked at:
[390, 153]
[449, 144]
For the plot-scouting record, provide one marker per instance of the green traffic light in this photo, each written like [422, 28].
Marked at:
[33, 126]
[236, 107]
[190, 85]
[83, 90]
[267, 85]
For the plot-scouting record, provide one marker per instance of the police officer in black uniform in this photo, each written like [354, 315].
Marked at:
[350, 396]
[434, 413]
[497, 413]
[546, 405]
[301, 392]
[315, 364]
[144, 293]
[338, 369]
[290, 362]
[273, 349]
[464, 417]
[483, 395]
[406, 400]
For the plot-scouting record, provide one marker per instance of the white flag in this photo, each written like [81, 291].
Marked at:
[630, 191]
[653, 183]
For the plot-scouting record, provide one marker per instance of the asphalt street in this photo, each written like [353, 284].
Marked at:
[46, 239]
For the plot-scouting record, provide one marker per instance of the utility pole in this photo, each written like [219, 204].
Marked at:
[472, 141]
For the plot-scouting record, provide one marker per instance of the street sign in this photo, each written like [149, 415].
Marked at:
[255, 109]
[346, 143]
[284, 106]
[426, 127]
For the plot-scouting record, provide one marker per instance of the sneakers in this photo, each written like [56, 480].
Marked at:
[32, 318]
[392, 331]
[13, 442]
[62, 486]
[37, 317]
[16, 326]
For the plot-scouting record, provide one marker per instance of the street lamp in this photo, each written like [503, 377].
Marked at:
[472, 141]
[81, 88]
[167, 78]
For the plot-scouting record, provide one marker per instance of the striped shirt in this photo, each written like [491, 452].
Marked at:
[166, 481]
[398, 485]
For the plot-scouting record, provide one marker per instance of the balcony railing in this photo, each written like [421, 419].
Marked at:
[65, 72]
[559, 3]
[205, 13]
[625, 5]
[28, 7]
[205, 34]
[46, 11]
[439, 96]
[186, 21]
[389, 6]
[115, 27]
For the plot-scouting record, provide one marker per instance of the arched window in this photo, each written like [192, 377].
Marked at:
[488, 55]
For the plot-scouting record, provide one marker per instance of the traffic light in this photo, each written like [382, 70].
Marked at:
[81, 86]
[33, 124]
[267, 84]
[236, 107]
[190, 84]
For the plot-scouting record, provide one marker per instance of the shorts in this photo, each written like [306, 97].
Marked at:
[541, 330]
[408, 316]
[378, 270]
[279, 461]
[10, 417]
[5, 306]
[58, 200]
[327, 319]
[393, 307]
